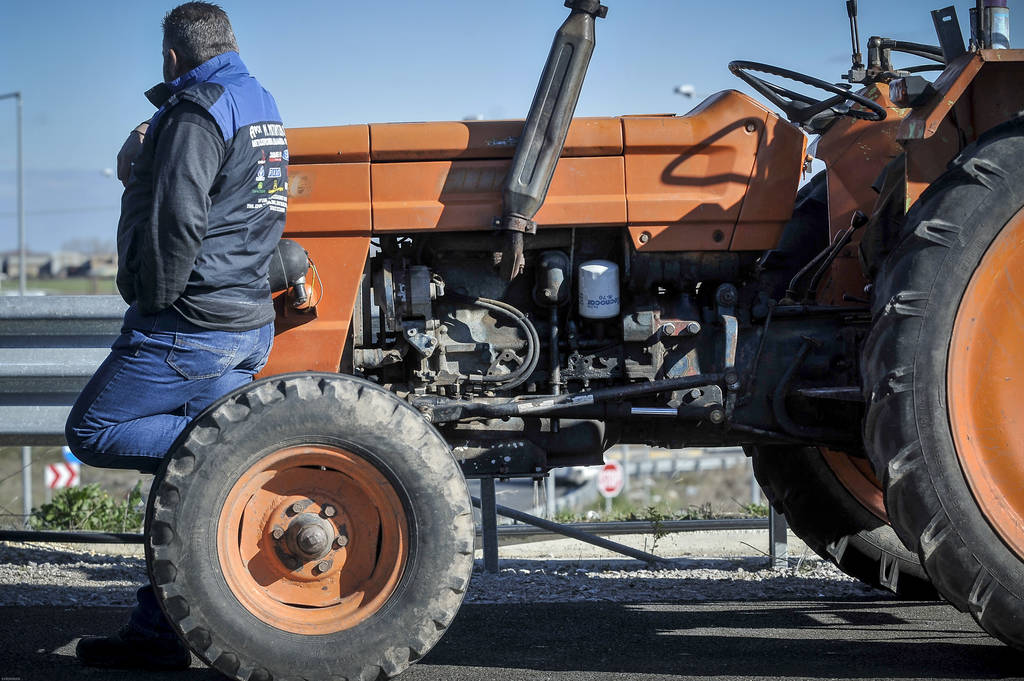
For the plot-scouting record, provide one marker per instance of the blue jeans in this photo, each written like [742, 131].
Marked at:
[161, 373]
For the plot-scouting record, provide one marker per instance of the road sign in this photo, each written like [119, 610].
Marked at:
[610, 480]
[60, 475]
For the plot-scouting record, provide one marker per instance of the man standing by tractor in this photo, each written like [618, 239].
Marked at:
[202, 212]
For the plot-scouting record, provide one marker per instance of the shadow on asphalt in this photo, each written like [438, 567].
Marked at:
[771, 640]
[806, 639]
[777, 639]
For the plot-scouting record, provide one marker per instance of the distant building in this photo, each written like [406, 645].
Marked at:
[34, 263]
[62, 262]
[102, 266]
[59, 264]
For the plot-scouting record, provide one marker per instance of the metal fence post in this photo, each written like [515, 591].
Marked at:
[777, 539]
[755, 488]
[550, 496]
[489, 522]
[26, 483]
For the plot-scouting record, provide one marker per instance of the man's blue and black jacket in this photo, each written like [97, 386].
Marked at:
[205, 204]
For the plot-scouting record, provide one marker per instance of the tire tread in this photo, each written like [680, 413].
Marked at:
[938, 231]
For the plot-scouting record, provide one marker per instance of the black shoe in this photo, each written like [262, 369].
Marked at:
[128, 650]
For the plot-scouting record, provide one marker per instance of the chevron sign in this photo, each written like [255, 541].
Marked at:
[59, 475]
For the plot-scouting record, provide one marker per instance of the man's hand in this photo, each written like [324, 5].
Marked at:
[130, 151]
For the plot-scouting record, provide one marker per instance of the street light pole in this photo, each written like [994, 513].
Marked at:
[21, 198]
[26, 452]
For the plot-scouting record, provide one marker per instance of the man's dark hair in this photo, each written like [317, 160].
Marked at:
[198, 31]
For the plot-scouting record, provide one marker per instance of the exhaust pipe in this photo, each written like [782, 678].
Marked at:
[547, 124]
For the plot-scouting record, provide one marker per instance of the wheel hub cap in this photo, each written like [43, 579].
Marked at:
[309, 537]
[313, 539]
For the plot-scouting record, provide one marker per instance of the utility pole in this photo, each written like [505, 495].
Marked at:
[26, 452]
[21, 196]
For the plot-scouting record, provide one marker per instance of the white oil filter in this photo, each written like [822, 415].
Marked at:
[599, 289]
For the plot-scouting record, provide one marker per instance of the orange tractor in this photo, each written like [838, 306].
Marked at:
[495, 299]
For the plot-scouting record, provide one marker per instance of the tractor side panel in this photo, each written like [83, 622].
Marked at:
[466, 195]
[444, 141]
[773, 186]
[329, 214]
[687, 176]
[330, 144]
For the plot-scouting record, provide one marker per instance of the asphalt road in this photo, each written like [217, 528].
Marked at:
[862, 640]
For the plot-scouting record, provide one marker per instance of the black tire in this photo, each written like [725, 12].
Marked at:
[307, 409]
[820, 510]
[904, 361]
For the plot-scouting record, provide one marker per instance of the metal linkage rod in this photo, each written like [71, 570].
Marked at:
[522, 534]
[572, 532]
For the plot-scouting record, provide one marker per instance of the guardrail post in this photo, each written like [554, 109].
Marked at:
[550, 496]
[755, 487]
[26, 483]
[489, 522]
[777, 539]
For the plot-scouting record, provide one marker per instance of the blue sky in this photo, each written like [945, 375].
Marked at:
[83, 67]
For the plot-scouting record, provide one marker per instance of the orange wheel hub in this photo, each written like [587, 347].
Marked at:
[312, 539]
[985, 384]
[856, 476]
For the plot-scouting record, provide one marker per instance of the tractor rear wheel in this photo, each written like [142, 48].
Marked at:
[943, 367]
[310, 526]
[835, 506]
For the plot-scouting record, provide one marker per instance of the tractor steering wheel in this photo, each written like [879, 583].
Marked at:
[799, 108]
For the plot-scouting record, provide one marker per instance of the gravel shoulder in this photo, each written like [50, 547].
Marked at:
[707, 566]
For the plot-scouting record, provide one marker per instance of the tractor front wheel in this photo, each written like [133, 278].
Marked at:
[310, 526]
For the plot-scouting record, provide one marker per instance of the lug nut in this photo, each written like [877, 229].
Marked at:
[277, 533]
[329, 511]
[341, 542]
[297, 507]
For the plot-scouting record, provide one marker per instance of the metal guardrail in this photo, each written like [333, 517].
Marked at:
[671, 465]
[517, 534]
[49, 348]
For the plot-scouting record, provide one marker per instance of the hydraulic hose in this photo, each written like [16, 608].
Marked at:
[522, 372]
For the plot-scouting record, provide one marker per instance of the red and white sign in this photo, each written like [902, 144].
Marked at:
[611, 479]
[60, 475]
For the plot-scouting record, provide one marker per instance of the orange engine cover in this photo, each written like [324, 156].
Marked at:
[694, 182]
[723, 177]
